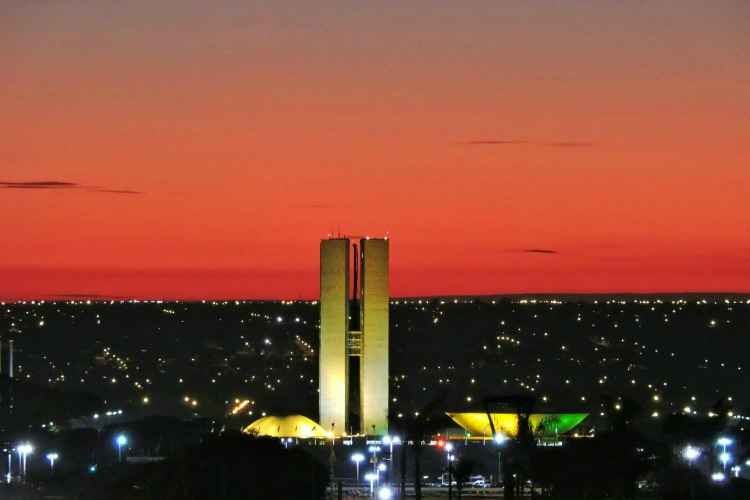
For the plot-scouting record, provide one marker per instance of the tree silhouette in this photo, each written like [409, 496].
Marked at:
[228, 467]
[462, 472]
[426, 423]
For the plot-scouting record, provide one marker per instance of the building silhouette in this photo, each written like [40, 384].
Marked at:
[353, 357]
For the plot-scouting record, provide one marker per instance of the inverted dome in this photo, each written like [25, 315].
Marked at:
[294, 426]
[542, 424]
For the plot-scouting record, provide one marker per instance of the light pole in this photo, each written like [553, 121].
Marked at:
[357, 458]
[449, 457]
[381, 468]
[121, 440]
[385, 493]
[691, 454]
[724, 456]
[370, 476]
[52, 458]
[24, 450]
[499, 439]
[724, 441]
[374, 450]
[391, 441]
[10, 464]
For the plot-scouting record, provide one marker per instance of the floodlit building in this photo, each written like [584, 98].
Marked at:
[477, 424]
[353, 357]
[289, 426]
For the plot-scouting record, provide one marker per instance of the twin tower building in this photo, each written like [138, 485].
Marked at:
[353, 357]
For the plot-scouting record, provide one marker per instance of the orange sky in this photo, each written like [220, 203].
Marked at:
[614, 134]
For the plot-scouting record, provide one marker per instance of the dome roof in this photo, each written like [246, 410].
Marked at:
[296, 426]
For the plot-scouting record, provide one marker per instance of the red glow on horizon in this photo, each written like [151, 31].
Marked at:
[576, 149]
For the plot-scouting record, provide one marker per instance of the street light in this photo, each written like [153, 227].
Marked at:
[381, 468]
[499, 438]
[52, 458]
[121, 440]
[385, 493]
[725, 458]
[691, 454]
[371, 477]
[724, 441]
[357, 458]
[450, 457]
[374, 450]
[24, 450]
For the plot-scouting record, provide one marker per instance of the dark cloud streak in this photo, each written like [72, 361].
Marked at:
[517, 142]
[46, 185]
[543, 251]
[39, 185]
[115, 191]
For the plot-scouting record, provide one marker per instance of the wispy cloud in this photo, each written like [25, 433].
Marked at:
[517, 142]
[499, 142]
[62, 185]
[543, 251]
[539, 250]
[39, 185]
[115, 191]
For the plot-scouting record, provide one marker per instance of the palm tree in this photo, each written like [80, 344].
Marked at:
[462, 473]
[426, 423]
[522, 447]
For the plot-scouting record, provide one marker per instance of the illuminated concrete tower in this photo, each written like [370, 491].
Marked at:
[334, 326]
[361, 340]
[374, 360]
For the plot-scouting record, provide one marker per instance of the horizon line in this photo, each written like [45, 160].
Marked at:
[121, 298]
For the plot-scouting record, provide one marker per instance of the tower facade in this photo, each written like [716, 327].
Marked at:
[354, 333]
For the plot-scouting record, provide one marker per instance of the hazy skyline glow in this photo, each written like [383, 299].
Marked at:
[182, 149]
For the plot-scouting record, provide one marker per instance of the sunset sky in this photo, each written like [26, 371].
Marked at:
[191, 149]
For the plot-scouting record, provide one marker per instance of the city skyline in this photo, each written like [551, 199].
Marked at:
[189, 152]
